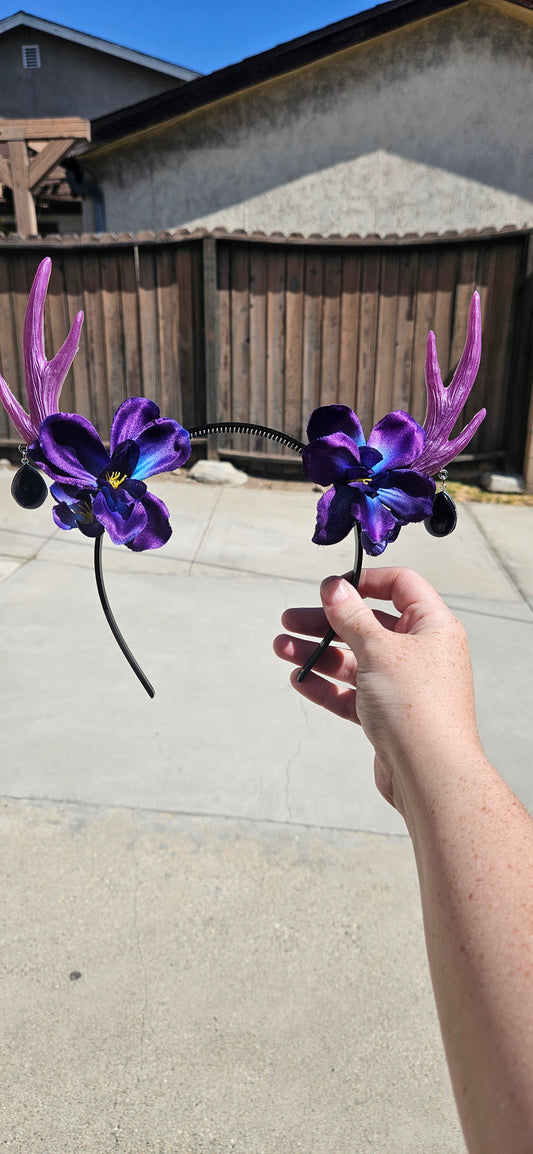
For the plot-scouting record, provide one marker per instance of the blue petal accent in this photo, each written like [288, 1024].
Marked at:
[370, 457]
[163, 446]
[375, 520]
[399, 438]
[408, 494]
[69, 493]
[64, 516]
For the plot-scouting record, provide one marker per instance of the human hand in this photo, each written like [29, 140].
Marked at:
[406, 679]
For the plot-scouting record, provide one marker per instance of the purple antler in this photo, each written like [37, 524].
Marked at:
[445, 403]
[44, 379]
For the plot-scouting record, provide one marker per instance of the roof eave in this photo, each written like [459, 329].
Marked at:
[24, 19]
[255, 70]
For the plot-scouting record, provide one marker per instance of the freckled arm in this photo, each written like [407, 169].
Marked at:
[407, 680]
[473, 843]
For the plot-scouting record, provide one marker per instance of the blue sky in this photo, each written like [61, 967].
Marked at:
[203, 34]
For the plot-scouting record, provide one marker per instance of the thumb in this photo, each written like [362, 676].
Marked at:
[348, 614]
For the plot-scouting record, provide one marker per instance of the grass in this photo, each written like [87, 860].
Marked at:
[460, 491]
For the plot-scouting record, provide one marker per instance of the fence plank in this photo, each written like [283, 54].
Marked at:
[296, 421]
[484, 392]
[113, 331]
[10, 351]
[94, 333]
[58, 324]
[499, 339]
[148, 330]
[275, 364]
[349, 329]
[224, 391]
[129, 316]
[209, 276]
[312, 332]
[240, 316]
[186, 398]
[466, 283]
[386, 334]
[196, 384]
[424, 323]
[520, 409]
[368, 338]
[444, 297]
[22, 274]
[403, 386]
[330, 336]
[83, 387]
[258, 321]
[167, 325]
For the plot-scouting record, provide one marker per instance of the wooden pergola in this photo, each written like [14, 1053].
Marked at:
[49, 140]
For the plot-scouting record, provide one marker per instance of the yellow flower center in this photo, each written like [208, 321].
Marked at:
[115, 479]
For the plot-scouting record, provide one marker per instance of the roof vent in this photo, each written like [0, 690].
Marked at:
[31, 57]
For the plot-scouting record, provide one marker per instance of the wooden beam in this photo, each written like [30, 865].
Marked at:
[22, 197]
[56, 176]
[41, 164]
[5, 172]
[53, 128]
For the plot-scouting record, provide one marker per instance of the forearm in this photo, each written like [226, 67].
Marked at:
[473, 841]
[473, 844]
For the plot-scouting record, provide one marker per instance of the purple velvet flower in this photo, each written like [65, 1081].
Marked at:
[97, 490]
[445, 403]
[373, 482]
[44, 379]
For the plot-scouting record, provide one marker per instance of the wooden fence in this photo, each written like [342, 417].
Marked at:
[234, 328]
[143, 329]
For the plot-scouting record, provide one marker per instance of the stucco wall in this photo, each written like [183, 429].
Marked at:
[72, 81]
[425, 129]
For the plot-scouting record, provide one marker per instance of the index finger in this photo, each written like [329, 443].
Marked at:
[404, 587]
[310, 622]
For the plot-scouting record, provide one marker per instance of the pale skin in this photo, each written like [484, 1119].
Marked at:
[472, 839]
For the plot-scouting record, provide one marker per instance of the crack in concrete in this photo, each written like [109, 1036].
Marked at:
[289, 763]
[205, 532]
[144, 971]
[499, 559]
[303, 710]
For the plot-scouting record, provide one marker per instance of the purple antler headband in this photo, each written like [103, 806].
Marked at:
[374, 486]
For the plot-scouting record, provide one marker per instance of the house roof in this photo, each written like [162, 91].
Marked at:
[282, 59]
[24, 20]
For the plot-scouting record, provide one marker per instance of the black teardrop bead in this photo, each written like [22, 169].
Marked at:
[29, 487]
[444, 516]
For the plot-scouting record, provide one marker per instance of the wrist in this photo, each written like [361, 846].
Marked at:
[436, 774]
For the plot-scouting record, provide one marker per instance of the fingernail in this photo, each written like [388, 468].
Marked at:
[334, 590]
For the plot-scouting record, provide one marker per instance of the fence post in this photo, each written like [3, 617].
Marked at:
[527, 469]
[209, 268]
